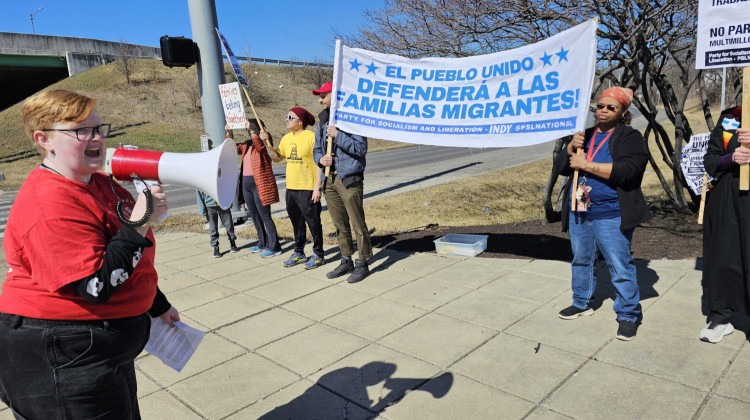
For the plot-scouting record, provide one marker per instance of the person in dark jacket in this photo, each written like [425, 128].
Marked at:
[726, 227]
[344, 189]
[609, 205]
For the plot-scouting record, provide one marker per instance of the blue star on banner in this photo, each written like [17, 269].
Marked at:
[355, 65]
[371, 68]
[563, 54]
[546, 59]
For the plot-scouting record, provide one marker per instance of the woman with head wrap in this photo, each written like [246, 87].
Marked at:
[303, 185]
[726, 282]
[609, 205]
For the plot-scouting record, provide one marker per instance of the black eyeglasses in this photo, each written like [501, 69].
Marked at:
[291, 117]
[86, 133]
[609, 107]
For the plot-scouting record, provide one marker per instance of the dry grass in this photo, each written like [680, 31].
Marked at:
[160, 110]
[493, 198]
[506, 196]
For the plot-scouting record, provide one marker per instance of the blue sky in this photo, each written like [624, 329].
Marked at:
[288, 29]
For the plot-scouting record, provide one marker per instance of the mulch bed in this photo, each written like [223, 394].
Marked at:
[665, 236]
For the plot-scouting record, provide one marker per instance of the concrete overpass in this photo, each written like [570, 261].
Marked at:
[29, 63]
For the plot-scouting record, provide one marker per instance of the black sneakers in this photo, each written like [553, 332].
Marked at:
[573, 312]
[627, 329]
[345, 267]
[217, 253]
[233, 246]
[361, 270]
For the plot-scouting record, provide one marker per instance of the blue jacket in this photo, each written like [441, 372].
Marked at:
[204, 200]
[348, 151]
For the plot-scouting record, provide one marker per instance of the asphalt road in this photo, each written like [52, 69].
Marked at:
[399, 170]
[390, 171]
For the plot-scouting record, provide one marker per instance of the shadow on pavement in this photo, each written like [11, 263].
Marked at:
[505, 245]
[352, 383]
[646, 276]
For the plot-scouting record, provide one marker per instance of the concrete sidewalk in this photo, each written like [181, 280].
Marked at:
[432, 337]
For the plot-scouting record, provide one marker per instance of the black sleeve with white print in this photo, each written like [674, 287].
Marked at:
[123, 253]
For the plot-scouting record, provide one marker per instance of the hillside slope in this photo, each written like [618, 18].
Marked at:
[160, 109]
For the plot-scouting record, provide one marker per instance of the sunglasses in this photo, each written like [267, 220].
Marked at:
[291, 117]
[609, 107]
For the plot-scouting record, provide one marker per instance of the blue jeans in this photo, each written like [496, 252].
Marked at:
[586, 236]
[71, 369]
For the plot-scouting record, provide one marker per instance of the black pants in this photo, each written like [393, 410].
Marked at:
[213, 214]
[301, 209]
[71, 369]
[721, 317]
[264, 226]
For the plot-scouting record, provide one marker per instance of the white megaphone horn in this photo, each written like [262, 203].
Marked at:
[214, 172]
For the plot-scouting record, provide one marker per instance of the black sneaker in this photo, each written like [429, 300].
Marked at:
[217, 253]
[626, 331]
[345, 267]
[359, 273]
[233, 246]
[573, 312]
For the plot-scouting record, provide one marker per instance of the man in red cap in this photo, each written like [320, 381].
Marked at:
[343, 188]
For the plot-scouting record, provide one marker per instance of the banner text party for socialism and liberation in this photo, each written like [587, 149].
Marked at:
[723, 34]
[519, 97]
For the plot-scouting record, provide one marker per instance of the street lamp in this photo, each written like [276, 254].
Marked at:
[32, 19]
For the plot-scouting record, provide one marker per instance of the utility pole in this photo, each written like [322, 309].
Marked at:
[32, 19]
[203, 23]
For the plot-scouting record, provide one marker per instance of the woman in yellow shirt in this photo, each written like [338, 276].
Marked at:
[303, 186]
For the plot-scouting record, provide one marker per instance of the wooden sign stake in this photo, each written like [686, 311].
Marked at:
[745, 168]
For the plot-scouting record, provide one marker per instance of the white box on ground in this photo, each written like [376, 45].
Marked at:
[461, 244]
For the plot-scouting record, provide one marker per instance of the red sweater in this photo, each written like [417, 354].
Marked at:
[57, 233]
[262, 170]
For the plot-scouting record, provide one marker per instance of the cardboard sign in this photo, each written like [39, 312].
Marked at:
[723, 34]
[691, 161]
[231, 99]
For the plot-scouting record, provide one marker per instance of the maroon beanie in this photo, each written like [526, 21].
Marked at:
[304, 116]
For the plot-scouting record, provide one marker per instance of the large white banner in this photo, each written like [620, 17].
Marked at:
[520, 97]
[723, 35]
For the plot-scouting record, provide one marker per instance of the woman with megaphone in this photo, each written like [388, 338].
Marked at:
[81, 288]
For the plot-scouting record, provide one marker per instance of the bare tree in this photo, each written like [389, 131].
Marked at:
[642, 44]
[318, 73]
[125, 61]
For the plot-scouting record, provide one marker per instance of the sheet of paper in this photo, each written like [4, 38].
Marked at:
[173, 346]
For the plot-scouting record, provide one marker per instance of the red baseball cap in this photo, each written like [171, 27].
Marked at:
[327, 87]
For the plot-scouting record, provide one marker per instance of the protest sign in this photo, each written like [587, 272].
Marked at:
[519, 97]
[233, 60]
[691, 161]
[723, 34]
[234, 111]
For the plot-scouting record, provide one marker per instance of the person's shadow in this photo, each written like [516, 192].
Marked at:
[351, 383]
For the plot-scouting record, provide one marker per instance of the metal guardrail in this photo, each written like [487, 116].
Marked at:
[281, 62]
